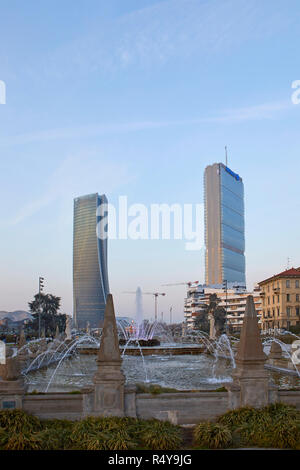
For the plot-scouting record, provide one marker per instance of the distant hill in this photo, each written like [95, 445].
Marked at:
[17, 315]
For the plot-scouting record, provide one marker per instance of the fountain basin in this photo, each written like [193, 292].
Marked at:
[151, 350]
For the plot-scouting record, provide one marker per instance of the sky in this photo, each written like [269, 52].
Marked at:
[136, 98]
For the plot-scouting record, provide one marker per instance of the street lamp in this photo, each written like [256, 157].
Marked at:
[225, 287]
[41, 287]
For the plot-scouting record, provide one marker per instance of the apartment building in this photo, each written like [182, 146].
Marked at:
[233, 300]
[281, 299]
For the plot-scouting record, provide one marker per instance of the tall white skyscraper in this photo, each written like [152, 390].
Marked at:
[224, 226]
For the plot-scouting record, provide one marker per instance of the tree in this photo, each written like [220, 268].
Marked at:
[219, 314]
[201, 321]
[49, 306]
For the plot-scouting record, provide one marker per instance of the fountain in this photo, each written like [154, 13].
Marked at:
[199, 362]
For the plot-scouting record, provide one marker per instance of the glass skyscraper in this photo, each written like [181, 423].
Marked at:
[224, 226]
[90, 276]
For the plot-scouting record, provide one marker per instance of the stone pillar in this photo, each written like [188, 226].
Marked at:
[22, 353]
[43, 341]
[250, 385]
[109, 379]
[212, 328]
[12, 387]
[68, 328]
[57, 334]
[275, 351]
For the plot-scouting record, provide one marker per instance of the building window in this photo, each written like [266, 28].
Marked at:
[288, 283]
[288, 311]
[297, 311]
[297, 283]
[297, 297]
[273, 299]
[288, 297]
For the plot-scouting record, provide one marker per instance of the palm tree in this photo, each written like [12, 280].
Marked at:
[212, 308]
[49, 306]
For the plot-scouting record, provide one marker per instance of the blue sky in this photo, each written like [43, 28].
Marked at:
[135, 98]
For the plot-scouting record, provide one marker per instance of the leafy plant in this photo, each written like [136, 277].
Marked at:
[155, 389]
[160, 435]
[285, 436]
[281, 411]
[238, 417]
[212, 435]
[22, 441]
[19, 421]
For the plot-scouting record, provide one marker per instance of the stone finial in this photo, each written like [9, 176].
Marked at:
[109, 379]
[250, 347]
[212, 327]
[275, 351]
[57, 335]
[22, 339]
[109, 350]
[68, 330]
[250, 386]
[11, 369]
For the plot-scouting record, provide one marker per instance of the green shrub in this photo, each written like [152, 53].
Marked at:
[285, 435]
[21, 441]
[54, 438]
[212, 435]
[154, 389]
[111, 433]
[276, 425]
[238, 417]
[19, 421]
[281, 411]
[160, 435]
[59, 424]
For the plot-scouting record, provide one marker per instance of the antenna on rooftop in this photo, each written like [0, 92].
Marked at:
[226, 156]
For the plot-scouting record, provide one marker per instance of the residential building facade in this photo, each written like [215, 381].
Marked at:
[234, 302]
[281, 300]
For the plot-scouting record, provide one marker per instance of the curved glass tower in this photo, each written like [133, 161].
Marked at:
[90, 277]
[224, 226]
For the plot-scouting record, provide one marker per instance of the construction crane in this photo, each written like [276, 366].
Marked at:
[155, 294]
[189, 284]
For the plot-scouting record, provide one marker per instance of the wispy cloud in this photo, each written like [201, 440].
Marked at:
[76, 175]
[168, 29]
[227, 116]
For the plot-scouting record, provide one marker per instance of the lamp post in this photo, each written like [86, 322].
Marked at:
[41, 286]
[225, 287]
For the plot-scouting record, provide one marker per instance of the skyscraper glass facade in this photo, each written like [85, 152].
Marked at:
[90, 276]
[232, 226]
[224, 226]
